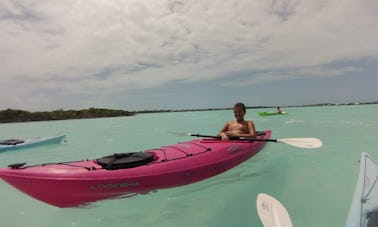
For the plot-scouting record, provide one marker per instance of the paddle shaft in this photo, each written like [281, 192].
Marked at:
[295, 142]
[236, 138]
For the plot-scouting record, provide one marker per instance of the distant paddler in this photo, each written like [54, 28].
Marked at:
[278, 110]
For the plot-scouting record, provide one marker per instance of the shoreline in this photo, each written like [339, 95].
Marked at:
[258, 107]
[16, 116]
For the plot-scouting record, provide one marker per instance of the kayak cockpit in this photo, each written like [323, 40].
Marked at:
[11, 142]
[125, 160]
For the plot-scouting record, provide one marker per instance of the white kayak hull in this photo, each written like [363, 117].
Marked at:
[364, 208]
[27, 143]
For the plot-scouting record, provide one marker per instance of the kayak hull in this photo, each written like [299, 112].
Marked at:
[364, 208]
[272, 113]
[32, 142]
[79, 183]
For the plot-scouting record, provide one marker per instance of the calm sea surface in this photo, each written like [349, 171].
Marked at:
[315, 185]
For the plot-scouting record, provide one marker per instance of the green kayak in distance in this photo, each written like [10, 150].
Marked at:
[271, 113]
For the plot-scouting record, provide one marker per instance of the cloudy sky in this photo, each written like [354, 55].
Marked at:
[179, 54]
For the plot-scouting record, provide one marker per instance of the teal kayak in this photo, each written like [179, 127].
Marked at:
[363, 211]
[14, 144]
[271, 113]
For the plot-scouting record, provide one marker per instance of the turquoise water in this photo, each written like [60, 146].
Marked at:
[315, 185]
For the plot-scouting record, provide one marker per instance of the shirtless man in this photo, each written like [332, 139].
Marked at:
[240, 127]
[278, 110]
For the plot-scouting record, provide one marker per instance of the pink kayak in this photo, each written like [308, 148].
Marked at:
[79, 183]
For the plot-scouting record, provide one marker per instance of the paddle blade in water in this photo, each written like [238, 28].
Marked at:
[302, 142]
[271, 212]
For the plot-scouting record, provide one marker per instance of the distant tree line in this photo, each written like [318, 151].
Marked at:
[10, 115]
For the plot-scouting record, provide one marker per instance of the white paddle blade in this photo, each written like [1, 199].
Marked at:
[302, 142]
[271, 212]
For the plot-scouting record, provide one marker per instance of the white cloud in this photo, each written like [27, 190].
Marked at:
[81, 47]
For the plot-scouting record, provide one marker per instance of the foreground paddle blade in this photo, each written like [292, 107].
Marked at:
[302, 142]
[271, 212]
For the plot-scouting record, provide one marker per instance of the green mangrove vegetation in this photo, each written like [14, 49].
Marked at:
[10, 115]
